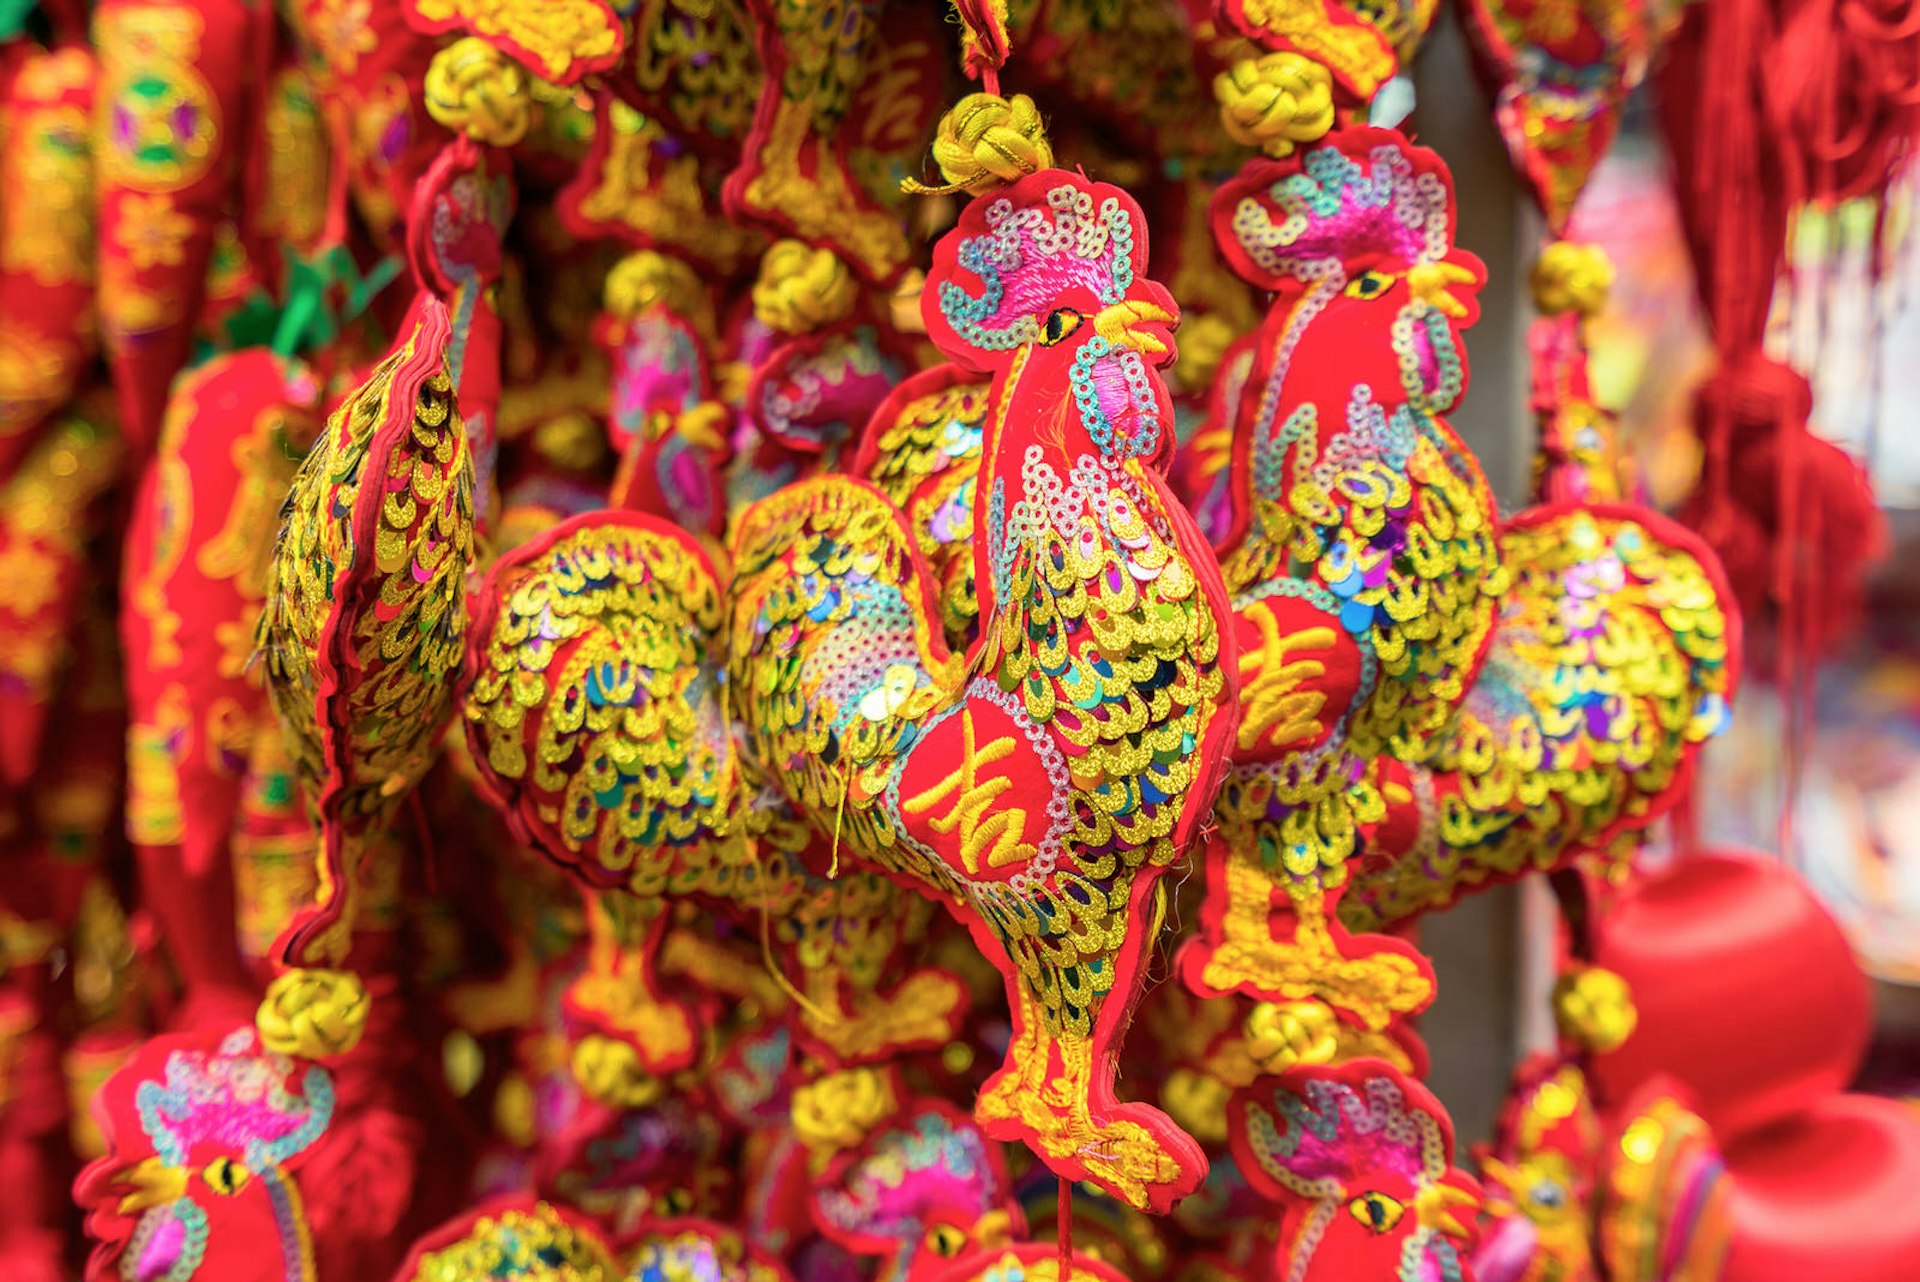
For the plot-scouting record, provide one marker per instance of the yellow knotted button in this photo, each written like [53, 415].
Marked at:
[1594, 1009]
[1275, 102]
[840, 1109]
[801, 288]
[647, 279]
[1282, 1034]
[473, 88]
[315, 1014]
[1570, 277]
[1204, 340]
[610, 1071]
[1198, 1102]
[985, 140]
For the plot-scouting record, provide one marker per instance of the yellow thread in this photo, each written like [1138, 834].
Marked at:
[1276, 101]
[985, 139]
[839, 815]
[800, 999]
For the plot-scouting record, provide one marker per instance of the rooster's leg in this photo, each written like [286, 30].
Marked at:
[1278, 941]
[1054, 1092]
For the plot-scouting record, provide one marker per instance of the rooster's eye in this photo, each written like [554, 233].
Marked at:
[225, 1176]
[946, 1240]
[1376, 1212]
[1368, 285]
[1059, 324]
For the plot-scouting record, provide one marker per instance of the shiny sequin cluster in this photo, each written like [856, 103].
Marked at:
[927, 462]
[1610, 667]
[534, 1245]
[599, 704]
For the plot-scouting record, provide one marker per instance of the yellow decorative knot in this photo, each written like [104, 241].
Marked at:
[1594, 1009]
[840, 1109]
[1570, 277]
[647, 279]
[984, 140]
[801, 288]
[1282, 1034]
[609, 1070]
[1275, 101]
[1198, 1102]
[473, 88]
[314, 1014]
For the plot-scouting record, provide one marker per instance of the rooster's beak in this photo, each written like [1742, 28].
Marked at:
[1435, 1205]
[152, 1183]
[1130, 324]
[1432, 284]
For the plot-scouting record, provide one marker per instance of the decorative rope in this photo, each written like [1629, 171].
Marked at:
[1594, 1009]
[1282, 1034]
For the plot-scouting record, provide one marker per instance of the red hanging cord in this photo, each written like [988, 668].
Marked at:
[1063, 1227]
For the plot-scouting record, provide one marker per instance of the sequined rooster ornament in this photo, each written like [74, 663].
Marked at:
[1042, 783]
[362, 634]
[204, 1137]
[1361, 555]
[1361, 1158]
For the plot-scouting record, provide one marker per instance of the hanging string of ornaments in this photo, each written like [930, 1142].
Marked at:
[771, 641]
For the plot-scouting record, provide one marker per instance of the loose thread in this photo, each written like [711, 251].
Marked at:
[800, 999]
[839, 813]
